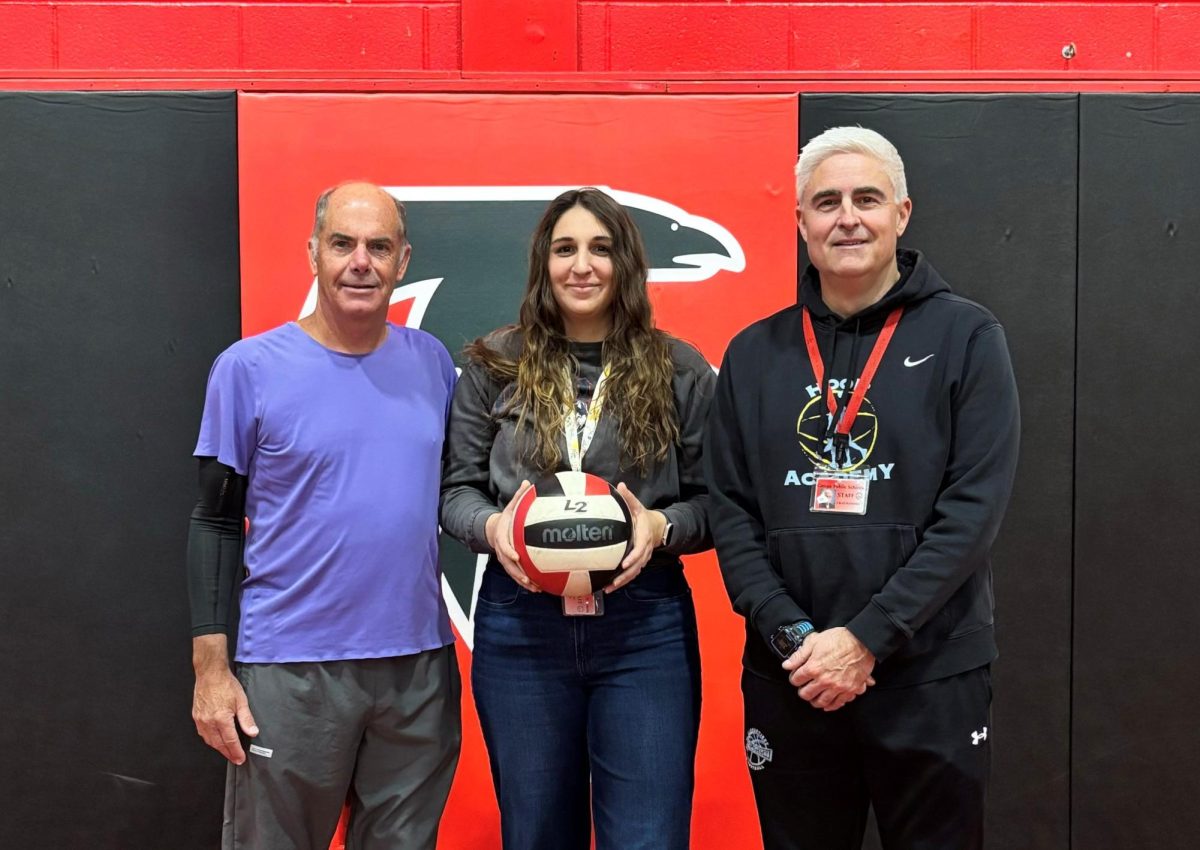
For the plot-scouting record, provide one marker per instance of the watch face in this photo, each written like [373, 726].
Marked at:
[785, 643]
[791, 637]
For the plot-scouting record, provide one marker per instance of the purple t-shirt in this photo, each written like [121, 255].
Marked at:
[343, 453]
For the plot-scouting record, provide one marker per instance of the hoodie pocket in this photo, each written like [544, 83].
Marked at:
[833, 571]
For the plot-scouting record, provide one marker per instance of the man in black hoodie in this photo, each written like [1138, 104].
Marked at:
[860, 452]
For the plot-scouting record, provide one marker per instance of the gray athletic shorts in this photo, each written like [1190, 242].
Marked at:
[379, 734]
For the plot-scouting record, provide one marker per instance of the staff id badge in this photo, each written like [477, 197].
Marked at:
[839, 492]
[591, 605]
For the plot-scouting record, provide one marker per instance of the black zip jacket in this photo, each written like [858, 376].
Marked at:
[937, 435]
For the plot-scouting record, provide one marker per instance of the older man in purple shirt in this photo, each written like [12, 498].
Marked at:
[326, 434]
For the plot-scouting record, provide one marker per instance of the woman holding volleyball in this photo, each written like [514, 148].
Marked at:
[589, 706]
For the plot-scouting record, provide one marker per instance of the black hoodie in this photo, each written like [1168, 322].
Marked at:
[937, 434]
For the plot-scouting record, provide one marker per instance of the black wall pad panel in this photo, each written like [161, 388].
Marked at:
[118, 286]
[1136, 744]
[993, 182]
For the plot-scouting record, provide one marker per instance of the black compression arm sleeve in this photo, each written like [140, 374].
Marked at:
[214, 554]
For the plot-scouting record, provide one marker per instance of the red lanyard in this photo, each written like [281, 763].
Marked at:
[849, 413]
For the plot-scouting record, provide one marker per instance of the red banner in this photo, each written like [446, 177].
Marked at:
[709, 181]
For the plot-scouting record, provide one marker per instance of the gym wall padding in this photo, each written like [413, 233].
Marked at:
[1135, 739]
[118, 286]
[993, 183]
[477, 171]
[119, 267]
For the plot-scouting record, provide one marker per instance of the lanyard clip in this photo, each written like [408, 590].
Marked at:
[841, 448]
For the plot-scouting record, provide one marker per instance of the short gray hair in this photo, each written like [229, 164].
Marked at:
[858, 140]
[323, 209]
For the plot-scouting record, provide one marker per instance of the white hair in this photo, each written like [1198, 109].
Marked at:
[858, 140]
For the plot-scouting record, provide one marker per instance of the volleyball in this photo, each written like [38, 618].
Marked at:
[571, 531]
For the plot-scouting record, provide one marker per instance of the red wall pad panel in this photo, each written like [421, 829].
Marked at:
[710, 167]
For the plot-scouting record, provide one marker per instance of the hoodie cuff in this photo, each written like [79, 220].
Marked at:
[776, 610]
[877, 632]
[479, 541]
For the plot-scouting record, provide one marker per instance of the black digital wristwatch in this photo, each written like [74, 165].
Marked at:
[787, 639]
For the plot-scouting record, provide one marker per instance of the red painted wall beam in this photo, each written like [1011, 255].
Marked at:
[597, 45]
[651, 38]
[434, 82]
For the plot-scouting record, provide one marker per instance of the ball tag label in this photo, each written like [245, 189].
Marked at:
[591, 605]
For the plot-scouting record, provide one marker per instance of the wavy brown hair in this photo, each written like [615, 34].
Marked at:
[638, 391]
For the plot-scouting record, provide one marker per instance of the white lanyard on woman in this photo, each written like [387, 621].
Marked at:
[578, 440]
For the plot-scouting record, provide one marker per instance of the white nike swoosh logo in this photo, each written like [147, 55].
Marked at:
[908, 361]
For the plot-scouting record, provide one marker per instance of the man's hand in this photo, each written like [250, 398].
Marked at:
[648, 528]
[499, 536]
[831, 668]
[219, 699]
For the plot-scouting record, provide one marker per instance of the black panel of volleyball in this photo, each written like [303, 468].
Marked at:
[571, 531]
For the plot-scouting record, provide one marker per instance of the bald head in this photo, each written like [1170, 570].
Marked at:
[355, 193]
[358, 253]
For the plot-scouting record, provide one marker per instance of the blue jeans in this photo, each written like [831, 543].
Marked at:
[614, 699]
